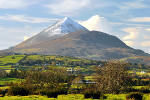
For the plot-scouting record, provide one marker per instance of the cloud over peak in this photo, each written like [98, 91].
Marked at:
[97, 23]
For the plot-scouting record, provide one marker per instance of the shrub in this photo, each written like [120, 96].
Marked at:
[3, 73]
[3, 92]
[134, 96]
[104, 97]
[18, 90]
[50, 93]
[145, 90]
[92, 92]
[74, 91]
[54, 92]
[142, 90]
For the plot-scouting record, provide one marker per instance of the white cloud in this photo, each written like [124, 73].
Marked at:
[132, 33]
[136, 4]
[26, 37]
[67, 7]
[129, 24]
[146, 37]
[140, 19]
[137, 37]
[129, 43]
[26, 19]
[14, 4]
[146, 44]
[147, 29]
[97, 23]
[127, 6]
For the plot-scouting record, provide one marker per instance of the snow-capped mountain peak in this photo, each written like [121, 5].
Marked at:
[64, 26]
[60, 28]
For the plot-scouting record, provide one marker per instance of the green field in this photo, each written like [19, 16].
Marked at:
[58, 58]
[13, 59]
[68, 97]
[7, 61]
[4, 81]
[36, 61]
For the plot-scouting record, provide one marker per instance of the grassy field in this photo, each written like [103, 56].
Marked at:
[13, 59]
[139, 87]
[7, 61]
[3, 81]
[143, 74]
[58, 58]
[69, 97]
[26, 98]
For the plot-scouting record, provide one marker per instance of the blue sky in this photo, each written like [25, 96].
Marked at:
[127, 19]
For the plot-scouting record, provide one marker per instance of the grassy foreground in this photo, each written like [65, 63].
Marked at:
[69, 97]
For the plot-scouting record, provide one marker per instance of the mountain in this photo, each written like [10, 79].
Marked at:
[68, 38]
[60, 28]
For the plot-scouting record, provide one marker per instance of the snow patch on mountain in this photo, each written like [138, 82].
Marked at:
[64, 26]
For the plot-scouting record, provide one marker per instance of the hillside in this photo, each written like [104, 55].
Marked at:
[87, 44]
[137, 60]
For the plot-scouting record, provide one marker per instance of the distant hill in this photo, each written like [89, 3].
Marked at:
[68, 38]
[137, 60]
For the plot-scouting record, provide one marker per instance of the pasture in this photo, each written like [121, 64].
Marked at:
[69, 97]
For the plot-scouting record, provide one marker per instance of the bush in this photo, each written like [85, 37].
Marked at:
[145, 90]
[134, 96]
[3, 92]
[74, 91]
[54, 92]
[50, 93]
[18, 90]
[3, 73]
[142, 90]
[92, 92]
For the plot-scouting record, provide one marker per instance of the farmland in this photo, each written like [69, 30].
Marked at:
[37, 74]
[68, 97]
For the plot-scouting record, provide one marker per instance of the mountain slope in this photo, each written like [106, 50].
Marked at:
[86, 44]
[137, 60]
